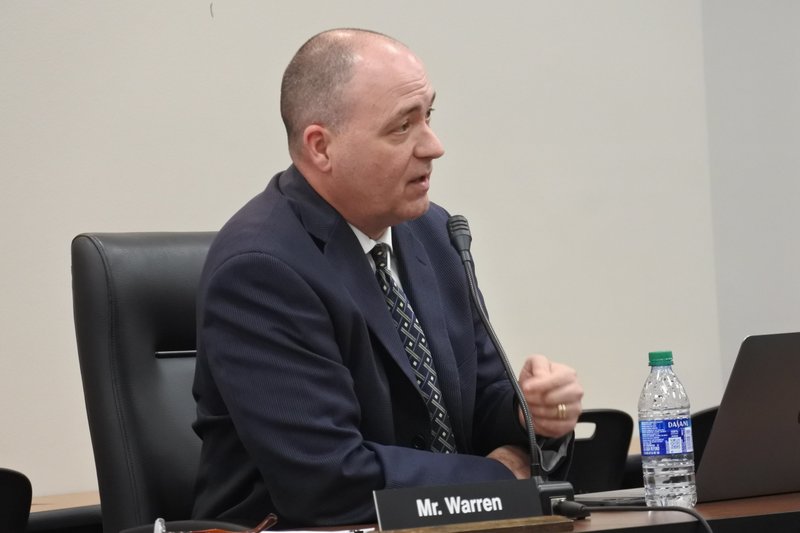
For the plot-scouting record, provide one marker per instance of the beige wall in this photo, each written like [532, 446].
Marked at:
[577, 146]
[752, 57]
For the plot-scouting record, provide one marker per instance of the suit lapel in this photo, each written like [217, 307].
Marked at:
[362, 285]
[341, 248]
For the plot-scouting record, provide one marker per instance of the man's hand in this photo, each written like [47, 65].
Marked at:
[515, 459]
[553, 395]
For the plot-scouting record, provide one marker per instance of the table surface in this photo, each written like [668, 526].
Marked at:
[599, 521]
[64, 501]
[749, 507]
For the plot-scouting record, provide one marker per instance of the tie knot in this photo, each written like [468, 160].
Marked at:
[379, 254]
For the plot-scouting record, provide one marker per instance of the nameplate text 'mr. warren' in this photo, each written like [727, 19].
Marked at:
[456, 504]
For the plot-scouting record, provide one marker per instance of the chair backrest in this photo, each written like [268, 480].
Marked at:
[15, 501]
[134, 310]
[598, 461]
[702, 422]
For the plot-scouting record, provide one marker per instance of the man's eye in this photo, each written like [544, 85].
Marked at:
[404, 126]
[428, 115]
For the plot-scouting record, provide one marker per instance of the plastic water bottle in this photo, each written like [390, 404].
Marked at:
[665, 432]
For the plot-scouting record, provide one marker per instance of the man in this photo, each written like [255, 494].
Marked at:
[308, 399]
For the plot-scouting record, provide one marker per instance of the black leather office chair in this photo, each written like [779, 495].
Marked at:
[702, 422]
[15, 501]
[598, 461]
[134, 310]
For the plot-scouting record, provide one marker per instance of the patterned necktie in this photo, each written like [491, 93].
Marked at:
[417, 350]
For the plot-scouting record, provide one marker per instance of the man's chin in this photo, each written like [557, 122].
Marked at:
[420, 208]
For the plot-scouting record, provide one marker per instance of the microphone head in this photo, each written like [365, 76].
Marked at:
[460, 236]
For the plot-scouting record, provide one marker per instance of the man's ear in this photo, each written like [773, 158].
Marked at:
[316, 144]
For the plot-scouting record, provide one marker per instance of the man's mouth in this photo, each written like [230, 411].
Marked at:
[422, 178]
[423, 182]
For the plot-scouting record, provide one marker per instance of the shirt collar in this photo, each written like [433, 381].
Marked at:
[367, 244]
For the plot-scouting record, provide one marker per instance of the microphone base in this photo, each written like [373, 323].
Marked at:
[553, 492]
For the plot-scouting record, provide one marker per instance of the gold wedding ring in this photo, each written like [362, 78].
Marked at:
[561, 411]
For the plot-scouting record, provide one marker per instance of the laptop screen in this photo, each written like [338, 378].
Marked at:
[754, 445]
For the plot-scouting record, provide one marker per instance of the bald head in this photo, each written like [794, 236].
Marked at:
[314, 83]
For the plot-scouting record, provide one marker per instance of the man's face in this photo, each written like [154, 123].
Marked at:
[381, 157]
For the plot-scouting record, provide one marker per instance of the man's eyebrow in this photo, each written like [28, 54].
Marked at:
[415, 107]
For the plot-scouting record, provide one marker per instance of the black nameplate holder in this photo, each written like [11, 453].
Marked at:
[416, 507]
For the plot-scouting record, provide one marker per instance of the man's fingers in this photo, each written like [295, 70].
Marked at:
[557, 387]
[537, 366]
[553, 395]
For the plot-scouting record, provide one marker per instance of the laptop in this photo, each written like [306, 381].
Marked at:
[753, 448]
[754, 445]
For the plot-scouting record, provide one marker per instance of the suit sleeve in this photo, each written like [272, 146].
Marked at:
[276, 360]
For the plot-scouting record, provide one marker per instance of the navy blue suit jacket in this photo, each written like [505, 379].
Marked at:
[305, 398]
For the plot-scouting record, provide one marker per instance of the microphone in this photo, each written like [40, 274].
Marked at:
[550, 492]
[460, 237]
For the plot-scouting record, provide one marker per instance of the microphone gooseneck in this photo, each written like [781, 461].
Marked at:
[461, 239]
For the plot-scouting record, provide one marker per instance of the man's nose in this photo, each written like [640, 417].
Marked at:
[429, 147]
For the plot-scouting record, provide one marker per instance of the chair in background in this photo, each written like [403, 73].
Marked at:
[134, 310]
[633, 472]
[15, 501]
[598, 461]
[702, 421]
